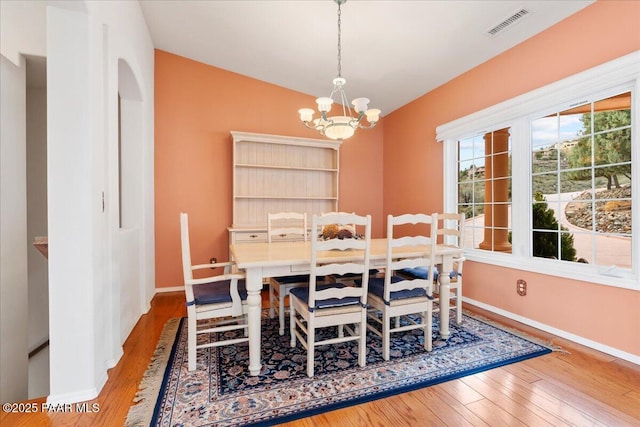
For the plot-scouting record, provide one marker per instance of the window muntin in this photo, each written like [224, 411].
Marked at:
[484, 189]
[581, 176]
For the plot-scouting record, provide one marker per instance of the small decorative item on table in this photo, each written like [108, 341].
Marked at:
[333, 231]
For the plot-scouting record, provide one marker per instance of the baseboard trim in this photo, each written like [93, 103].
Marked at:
[558, 332]
[75, 397]
[170, 289]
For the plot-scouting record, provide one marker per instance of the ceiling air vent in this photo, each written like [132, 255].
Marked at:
[509, 21]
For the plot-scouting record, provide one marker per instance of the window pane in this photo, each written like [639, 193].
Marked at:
[576, 180]
[584, 244]
[501, 166]
[613, 251]
[503, 186]
[579, 154]
[499, 148]
[545, 184]
[469, 171]
[471, 148]
[614, 216]
[484, 190]
[538, 158]
[567, 247]
[613, 147]
[478, 192]
[465, 193]
[544, 217]
[545, 244]
[581, 183]
[544, 132]
[570, 126]
[545, 159]
[466, 171]
[612, 113]
[580, 214]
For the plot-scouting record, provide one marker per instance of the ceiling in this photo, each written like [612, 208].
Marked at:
[393, 51]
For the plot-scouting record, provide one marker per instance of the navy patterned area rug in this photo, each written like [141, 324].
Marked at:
[220, 392]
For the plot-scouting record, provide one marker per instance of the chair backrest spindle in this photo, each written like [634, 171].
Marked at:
[287, 224]
[395, 261]
[322, 264]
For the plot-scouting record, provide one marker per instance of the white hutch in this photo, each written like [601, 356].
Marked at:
[274, 173]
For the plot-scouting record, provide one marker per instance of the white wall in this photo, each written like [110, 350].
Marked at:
[83, 50]
[72, 207]
[22, 31]
[13, 233]
[38, 306]
[84, 42]
[37, 214]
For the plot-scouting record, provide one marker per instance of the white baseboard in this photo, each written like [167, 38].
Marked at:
[76, 397]
[112, 362]
[558, 332]
[170, 289]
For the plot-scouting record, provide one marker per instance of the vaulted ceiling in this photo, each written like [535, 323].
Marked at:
[393, 51]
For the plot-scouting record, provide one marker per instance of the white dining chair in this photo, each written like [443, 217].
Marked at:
[214, 303]
[451, 227]
[399, 304]
[333, 304]
[289, 225]
[334, 232]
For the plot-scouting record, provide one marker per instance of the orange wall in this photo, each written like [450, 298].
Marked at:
[196, 106]
[599, 33]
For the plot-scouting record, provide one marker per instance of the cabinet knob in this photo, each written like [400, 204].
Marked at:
[253, 236]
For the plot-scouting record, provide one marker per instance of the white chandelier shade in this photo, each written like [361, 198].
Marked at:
[343, 126]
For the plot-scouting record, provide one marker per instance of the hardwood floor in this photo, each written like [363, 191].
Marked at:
[582, 388]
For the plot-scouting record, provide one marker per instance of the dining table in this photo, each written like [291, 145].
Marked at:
[277, 259]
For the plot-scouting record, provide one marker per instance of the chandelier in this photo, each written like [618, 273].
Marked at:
[342, 126]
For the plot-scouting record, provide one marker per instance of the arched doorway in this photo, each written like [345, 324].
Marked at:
[125, 184]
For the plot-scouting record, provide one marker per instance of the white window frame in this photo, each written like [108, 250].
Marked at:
[517, 113]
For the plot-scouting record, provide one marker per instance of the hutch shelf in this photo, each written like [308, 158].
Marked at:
[274, 173]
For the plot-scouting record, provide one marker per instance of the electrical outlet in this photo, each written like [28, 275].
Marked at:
[521, 287]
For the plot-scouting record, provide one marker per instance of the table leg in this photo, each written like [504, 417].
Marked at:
[254, 302]
[445, 287]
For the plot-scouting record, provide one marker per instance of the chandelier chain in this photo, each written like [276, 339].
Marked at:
[344, 123]
[339, 44]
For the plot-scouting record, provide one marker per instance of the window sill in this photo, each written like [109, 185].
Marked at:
[582, 272]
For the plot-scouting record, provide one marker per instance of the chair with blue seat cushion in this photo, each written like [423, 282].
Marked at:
[333, 304]
[451, 227]
[395, 298]
[422, 273]
[214, 303]
[417, 273]
[335, 232]
[289, 226]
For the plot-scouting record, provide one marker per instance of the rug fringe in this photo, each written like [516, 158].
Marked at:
[149, 388]
[549, 344]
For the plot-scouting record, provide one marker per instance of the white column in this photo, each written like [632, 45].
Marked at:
[70, 171]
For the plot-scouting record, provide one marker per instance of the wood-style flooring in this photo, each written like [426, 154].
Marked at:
[581, 388]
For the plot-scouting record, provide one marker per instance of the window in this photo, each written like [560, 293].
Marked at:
[545, 178]
[581, 169]
[484, 189]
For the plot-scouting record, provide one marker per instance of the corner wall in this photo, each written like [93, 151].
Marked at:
[197, 106]
[85, 40]
[602, 316]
